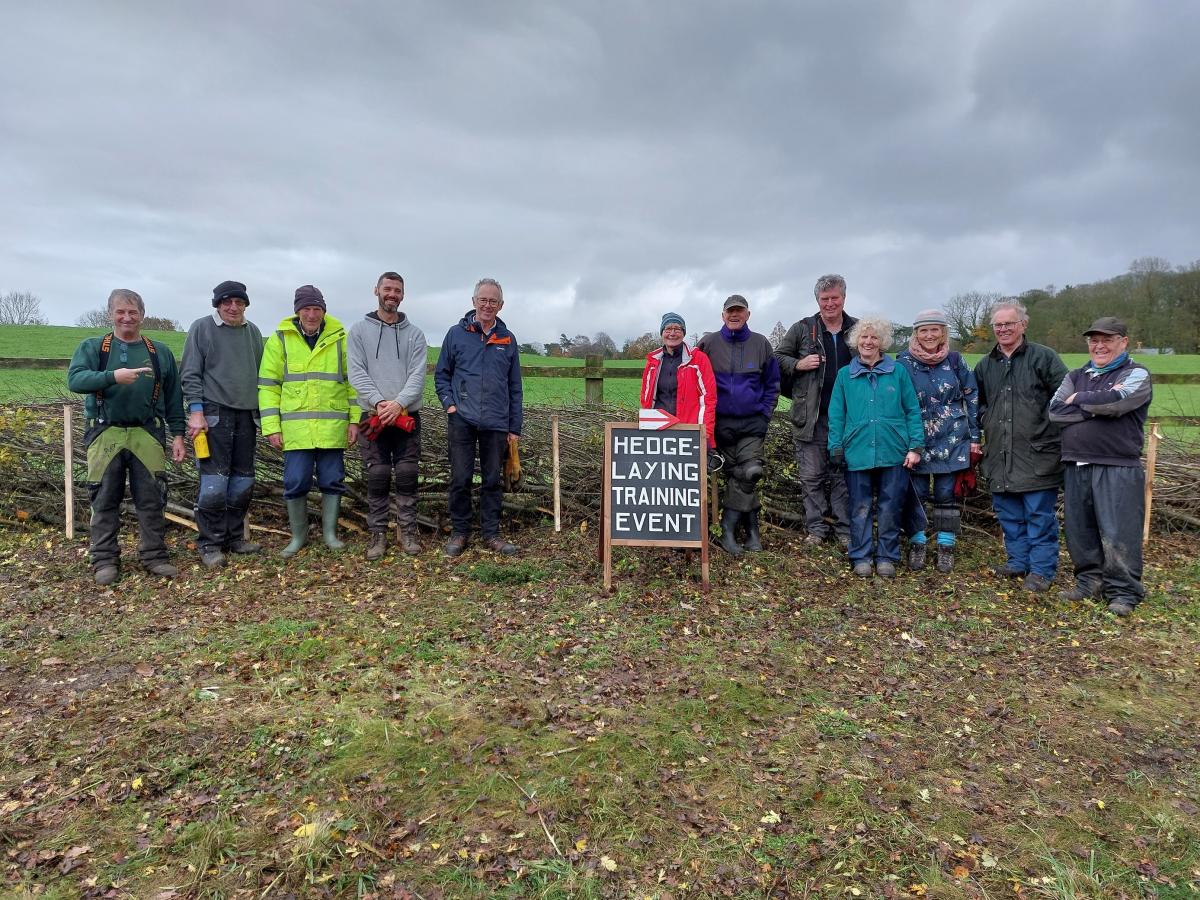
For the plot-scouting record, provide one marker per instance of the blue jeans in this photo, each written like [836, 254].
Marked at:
[298, 468]
[1030, 525]
[880, 492]
[463, 438]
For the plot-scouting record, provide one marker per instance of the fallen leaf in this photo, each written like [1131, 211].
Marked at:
[771, 818]
[306, 830]
[53, 661]
[144, 669]
[608, 864]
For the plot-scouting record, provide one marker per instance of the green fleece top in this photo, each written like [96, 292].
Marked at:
[127, 404]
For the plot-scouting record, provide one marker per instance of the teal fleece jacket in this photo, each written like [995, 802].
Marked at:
[874, 415]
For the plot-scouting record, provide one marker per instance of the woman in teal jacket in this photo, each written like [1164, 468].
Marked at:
[875, 433]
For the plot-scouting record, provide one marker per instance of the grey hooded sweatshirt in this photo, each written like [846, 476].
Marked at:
[387, 362]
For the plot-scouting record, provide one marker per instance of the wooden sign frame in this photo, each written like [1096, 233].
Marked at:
[607, 542]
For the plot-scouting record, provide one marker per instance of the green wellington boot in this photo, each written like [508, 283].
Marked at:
[297, 509]
[331, 505]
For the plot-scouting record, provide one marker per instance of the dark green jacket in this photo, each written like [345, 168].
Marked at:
[1022, 448]
[804, 388]
[127, 404]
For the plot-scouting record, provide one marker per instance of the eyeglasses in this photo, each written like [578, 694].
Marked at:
[672, 329]
[487, 302]
[1005, 326]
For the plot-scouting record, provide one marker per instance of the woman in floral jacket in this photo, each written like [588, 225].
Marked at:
[949, 401]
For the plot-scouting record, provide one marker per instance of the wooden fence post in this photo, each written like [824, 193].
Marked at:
[593, 380]
[1151, 464]
[68, 472]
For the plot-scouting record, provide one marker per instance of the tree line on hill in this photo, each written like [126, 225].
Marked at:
[1159, 302]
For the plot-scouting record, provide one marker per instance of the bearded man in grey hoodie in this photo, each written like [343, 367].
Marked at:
[387, 369]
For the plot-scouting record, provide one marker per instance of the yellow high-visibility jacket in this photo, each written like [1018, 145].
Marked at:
[306, 394]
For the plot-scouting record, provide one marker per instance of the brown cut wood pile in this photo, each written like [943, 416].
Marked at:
[31, 470]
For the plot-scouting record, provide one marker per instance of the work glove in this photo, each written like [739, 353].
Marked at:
[405, 422]
[371, 428]
[965, 482]
[512, 468]
[837, 460]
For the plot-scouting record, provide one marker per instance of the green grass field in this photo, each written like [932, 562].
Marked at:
[59, 342]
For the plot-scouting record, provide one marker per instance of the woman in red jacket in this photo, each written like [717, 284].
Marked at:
[679, 379]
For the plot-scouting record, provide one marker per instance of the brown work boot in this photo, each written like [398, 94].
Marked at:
[409, 542]
[499, 545]
[456, 545]
[378, 545]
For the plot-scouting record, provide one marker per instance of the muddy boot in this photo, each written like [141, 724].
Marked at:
[945, 559]
[297, 509]
[331, 505]
[378, 546]
[409, 542]
[753, 538]
[729, 522]
[916, 556]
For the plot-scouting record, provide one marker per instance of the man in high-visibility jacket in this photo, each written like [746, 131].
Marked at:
[308, 410]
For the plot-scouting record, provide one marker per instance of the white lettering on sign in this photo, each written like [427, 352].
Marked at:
[665, 470]
[656, 496]
[654, 522]
[655, 444]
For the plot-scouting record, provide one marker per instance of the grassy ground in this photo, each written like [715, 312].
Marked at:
[492, 728]
[21, 385]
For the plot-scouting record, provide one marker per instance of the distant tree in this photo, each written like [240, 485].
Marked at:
[777, 334]
[581, 346]
[533, 348]
[607, 345]
[160, 323]
[21, 308]
[565, 343]
[638, 347]
[968, 315]
[94, 318]
[901, 333]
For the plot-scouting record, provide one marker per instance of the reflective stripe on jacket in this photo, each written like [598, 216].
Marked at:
[306, 394]
[696, 398]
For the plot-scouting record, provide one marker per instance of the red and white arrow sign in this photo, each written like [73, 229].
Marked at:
[655, 419]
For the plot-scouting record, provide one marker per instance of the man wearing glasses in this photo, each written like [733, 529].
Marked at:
[132, 397]
[1102, 409]
[1022, 447]
[220, 387]
[478, 381]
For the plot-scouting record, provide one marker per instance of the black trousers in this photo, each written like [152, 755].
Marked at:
[391, 462]
[226, 477]
[1104, 510]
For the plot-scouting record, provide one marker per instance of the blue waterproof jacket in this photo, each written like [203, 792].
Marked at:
[874, 416]
[480, 374]
[949, 408]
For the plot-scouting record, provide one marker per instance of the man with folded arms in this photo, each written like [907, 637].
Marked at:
[1102, 408]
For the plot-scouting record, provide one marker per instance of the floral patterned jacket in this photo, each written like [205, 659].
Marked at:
[949, 410]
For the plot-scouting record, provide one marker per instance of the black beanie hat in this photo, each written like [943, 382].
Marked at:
[227, 289]
[307, 295]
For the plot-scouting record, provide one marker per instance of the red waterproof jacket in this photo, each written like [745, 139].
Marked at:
[696, 398]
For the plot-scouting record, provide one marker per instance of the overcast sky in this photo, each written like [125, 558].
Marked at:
[606, 161]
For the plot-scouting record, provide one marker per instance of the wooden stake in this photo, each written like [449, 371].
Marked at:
[1151, 463]
[557, 483]
[69, 472]
[704, 523]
